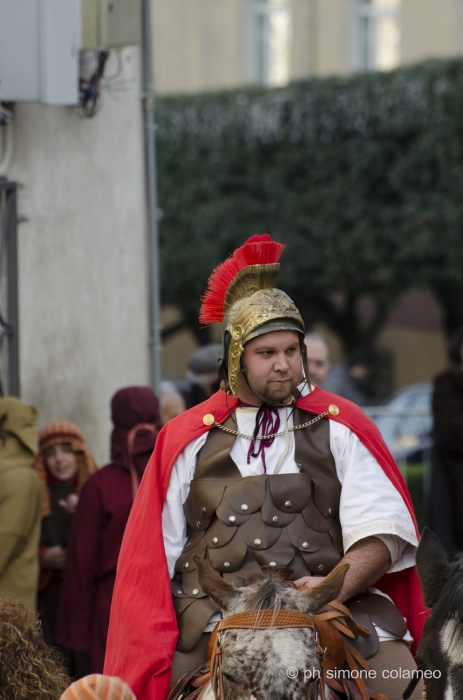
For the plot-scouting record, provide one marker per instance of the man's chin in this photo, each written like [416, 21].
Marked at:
[278, 393]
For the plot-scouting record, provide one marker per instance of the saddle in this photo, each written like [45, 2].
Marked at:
[335, 629]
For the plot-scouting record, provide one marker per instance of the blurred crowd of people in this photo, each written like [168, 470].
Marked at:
[62, 521]
[350, 380]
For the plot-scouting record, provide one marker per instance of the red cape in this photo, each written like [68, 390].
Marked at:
[143, 629]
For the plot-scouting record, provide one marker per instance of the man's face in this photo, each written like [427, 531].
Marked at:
[172, 405]
[273, 368]
[360, 371]
[317, 360]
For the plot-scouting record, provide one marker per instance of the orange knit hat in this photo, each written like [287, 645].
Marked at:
[96, 687]
[58, 432]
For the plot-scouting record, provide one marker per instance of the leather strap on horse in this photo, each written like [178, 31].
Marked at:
[332, 628]
[182, 688]
[262, 620]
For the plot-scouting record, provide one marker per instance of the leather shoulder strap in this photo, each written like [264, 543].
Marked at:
[312, 447]
[213, 460]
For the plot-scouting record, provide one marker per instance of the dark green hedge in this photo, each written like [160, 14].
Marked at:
[361, 177]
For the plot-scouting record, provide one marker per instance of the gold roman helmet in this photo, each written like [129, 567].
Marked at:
[241, 295]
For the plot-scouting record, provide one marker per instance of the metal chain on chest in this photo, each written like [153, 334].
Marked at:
[274, 435]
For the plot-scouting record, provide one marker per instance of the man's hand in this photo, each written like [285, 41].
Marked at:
[54, 558]
[70, 503]
[308, 581]
[369, 559]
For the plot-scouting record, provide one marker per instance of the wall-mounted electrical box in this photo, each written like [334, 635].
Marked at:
[108, 24]
[39, 51]
[40, 42]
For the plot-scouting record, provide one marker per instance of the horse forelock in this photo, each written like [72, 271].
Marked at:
[267, 597]
[268, 590]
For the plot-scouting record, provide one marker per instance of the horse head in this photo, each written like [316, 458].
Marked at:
[440, 651]
[271, 663]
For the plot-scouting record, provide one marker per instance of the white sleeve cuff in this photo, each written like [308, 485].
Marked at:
[395, 545]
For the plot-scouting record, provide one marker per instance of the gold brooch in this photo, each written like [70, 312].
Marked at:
[334, 410]
[208, 419]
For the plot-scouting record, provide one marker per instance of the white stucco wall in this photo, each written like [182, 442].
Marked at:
[83, 300]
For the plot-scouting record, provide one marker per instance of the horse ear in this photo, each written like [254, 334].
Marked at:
[433, 566]
[327, 590]
[219, 591]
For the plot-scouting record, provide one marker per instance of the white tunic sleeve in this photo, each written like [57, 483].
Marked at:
[173, 517]
[370, 505]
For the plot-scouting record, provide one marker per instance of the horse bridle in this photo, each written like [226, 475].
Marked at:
[256, 620]
[285, 619]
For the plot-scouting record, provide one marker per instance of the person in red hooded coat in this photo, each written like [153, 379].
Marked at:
[98, 526]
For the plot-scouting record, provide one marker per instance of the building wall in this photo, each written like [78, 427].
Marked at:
[332, 34]
[414, 335]
[198, 44]
[418, 355]
[203, 44]
[431, 29]
[303, 50]
[82, 258]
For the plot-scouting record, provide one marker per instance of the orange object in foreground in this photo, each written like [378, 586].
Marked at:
[97, 687]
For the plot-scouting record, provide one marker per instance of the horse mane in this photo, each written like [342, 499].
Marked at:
[450, 602]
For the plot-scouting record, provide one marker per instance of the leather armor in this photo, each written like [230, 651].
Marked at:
[240, 524]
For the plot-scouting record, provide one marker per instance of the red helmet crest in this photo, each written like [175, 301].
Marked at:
[258, 250]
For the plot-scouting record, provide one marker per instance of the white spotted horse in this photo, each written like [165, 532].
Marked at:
[276, 643]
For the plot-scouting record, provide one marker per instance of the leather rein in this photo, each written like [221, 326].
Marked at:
[339, 618]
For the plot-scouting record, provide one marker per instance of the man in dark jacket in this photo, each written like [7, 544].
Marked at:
[447, 455]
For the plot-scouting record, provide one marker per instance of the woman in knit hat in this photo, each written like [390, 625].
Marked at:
[99, 523]
[63, 465]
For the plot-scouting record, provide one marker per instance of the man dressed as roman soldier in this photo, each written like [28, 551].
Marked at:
[269, 471]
